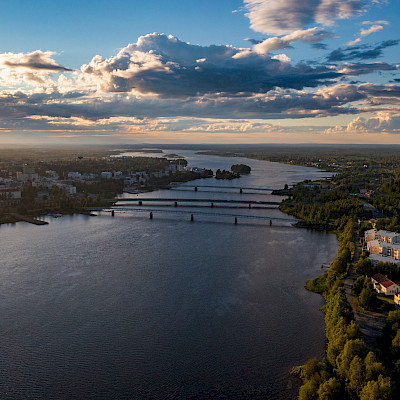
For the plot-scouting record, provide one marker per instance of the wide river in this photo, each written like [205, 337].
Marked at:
[126, 307]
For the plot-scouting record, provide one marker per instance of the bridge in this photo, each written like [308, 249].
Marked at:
[240, 188]
[192, 214]
[141, 200]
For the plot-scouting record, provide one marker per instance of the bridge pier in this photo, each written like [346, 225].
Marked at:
[270, 222]
[176, 204]
[112, 213]
[151, 215]
[212, 205]
[235, 220]
[241, 191]
[195, 188]
[249, 206]
[191, 217]
[140, 203]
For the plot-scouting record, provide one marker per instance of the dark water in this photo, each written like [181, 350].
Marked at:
[128, 308]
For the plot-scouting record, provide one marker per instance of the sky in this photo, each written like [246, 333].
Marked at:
[186, 71]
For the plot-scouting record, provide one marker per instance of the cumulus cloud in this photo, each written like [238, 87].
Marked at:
[382, 122]
[165, 66]
[162, 83]
[279, 17]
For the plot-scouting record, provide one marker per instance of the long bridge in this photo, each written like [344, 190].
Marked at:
[191, 213]
[176, 185]
[175, 201]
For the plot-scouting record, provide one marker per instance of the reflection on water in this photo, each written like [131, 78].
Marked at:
[132, 308]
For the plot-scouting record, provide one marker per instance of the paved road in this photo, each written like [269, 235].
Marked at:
[370, 323]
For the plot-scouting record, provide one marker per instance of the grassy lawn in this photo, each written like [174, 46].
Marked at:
[387, 299]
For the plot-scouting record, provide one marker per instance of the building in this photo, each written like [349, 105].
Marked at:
[384, 285]
[106, 175]
[382, 235]
[396, 299]
[10, 193]
[374, 246]
[383, 245]
[28, 174]
[69, 190]
[377, 258]
[74, 175]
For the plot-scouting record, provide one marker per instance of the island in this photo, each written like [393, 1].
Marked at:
[240, 169]
[224, 174]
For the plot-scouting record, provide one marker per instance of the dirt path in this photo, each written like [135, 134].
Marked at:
[370, 323]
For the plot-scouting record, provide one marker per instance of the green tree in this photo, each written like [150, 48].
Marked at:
[330, 390]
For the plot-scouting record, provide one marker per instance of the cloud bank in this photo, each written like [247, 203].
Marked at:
[161, 83]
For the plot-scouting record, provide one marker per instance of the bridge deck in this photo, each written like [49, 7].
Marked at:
[181, 200]
[163, 211]
[222, 187]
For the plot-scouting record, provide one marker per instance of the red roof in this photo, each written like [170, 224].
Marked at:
[383, 280]
[7, 190]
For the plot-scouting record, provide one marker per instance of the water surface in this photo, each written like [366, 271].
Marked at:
[132, 308]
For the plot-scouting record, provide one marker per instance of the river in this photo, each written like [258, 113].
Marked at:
[126, 307]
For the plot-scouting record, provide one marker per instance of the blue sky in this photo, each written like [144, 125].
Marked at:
[187, 71]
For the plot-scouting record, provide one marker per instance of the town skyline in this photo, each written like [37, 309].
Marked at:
[186, 72]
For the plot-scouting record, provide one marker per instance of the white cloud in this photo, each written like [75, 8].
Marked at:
[354, 42]
[372, 29]
[278, 43]
[377, 26]
[380, 22]
[382, 122]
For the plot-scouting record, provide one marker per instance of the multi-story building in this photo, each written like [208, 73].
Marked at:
[383, 245]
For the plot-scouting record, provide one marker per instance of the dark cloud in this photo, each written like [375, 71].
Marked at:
[357, 69]
[254, 41]
[36, 65]
[36, 61]
[277, 17]
[319, 46]
[361, 52]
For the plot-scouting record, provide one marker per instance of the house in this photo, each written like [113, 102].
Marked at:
[384, 285]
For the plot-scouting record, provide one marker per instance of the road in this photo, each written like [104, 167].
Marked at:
[371, 323]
